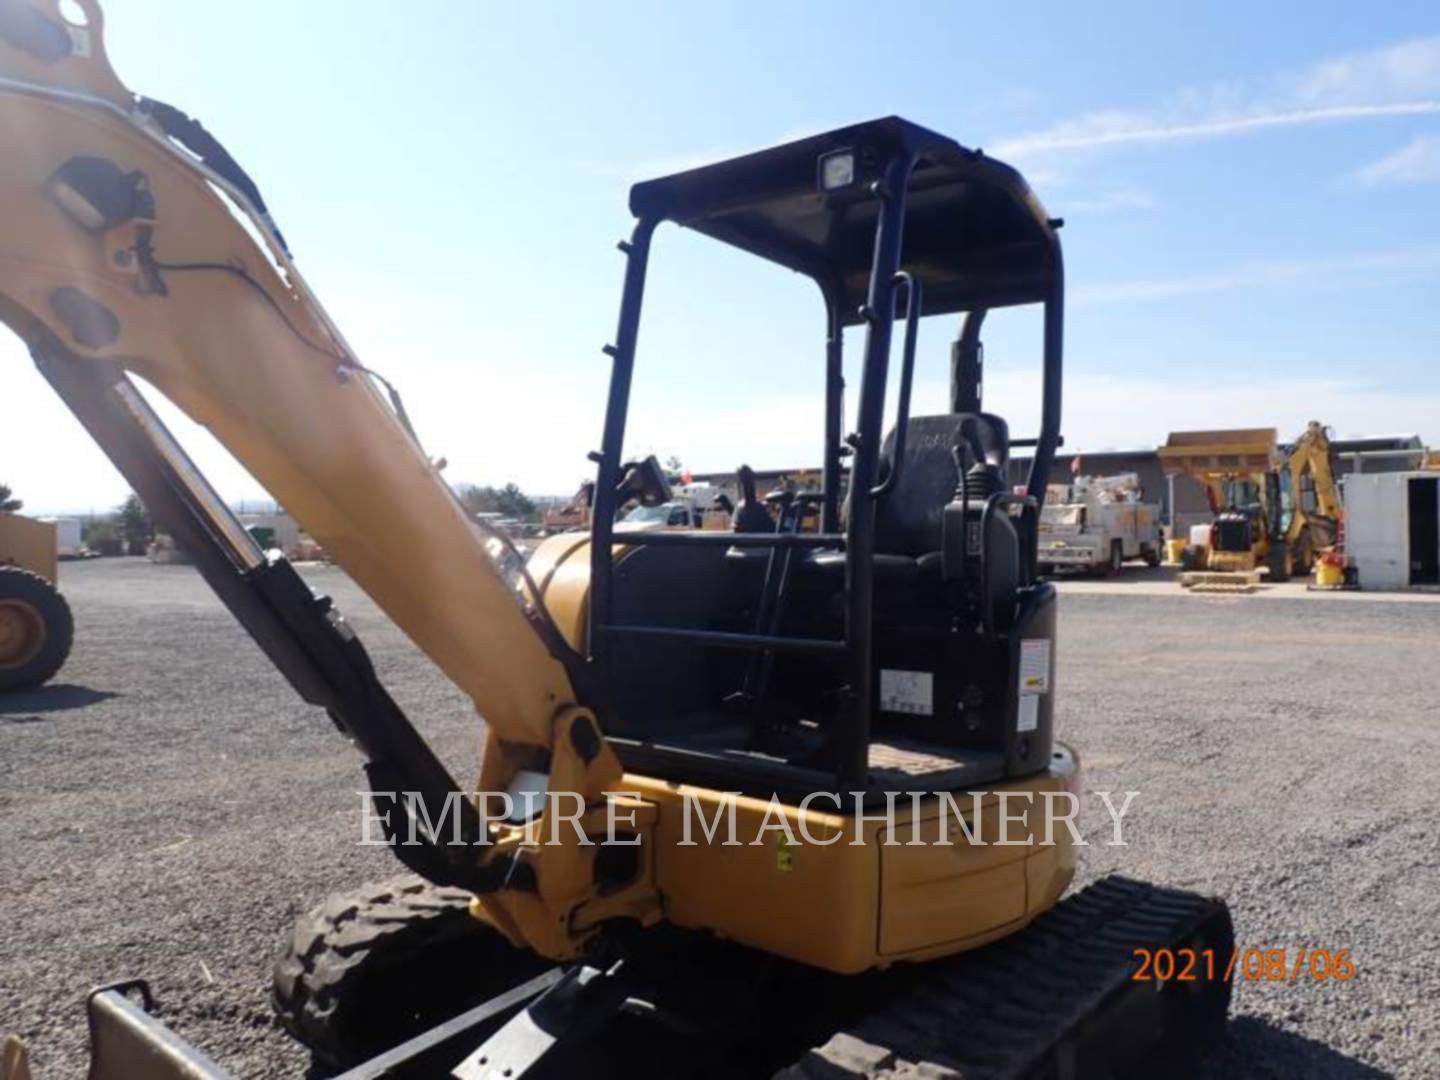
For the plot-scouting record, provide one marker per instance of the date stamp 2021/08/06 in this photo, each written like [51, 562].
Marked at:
[1248, 964]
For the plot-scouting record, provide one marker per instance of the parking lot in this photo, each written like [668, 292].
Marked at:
[171, 806]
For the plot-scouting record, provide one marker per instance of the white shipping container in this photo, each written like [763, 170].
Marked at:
[1379, 531]
[67, 536]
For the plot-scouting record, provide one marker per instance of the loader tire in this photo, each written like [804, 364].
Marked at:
[1277, 561]
[36, 630]
[367, 970]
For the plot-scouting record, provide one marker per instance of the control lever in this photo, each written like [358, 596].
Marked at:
[750, 515]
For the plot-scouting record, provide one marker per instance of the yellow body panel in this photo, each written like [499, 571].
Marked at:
[29, 544]
[849, 907]
[560, 568]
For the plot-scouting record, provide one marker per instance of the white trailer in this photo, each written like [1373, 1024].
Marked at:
[1096, 524]
[1392, 529]
[67, 537]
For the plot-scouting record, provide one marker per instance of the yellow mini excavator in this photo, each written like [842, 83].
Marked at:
[763, 801]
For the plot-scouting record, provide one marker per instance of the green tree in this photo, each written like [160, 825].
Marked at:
[135, 525]
[7, 504]
[515, 503]
[508, 501]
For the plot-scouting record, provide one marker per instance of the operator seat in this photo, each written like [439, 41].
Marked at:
[909, 519]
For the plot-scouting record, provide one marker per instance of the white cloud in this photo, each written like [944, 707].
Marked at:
[1399, 80]
[1417, 162]
[1359, 268]
[1408, 69]
[1114, 128]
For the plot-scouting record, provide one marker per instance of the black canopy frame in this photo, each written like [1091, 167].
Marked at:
[966, 227]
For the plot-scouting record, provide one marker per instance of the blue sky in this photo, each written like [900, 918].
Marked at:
[1250, 194]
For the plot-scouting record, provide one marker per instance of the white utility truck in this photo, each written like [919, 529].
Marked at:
[1096, 524]
[691, 506]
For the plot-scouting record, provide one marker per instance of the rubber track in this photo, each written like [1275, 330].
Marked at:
[1010, 1009]
[346, 947]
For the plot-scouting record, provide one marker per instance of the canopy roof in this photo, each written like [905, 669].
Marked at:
[974, 232]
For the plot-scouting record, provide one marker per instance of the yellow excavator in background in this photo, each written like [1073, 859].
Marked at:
[1312, 516]
[36, 627]
[842, 700]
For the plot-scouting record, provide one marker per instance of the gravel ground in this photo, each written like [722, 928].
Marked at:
[171, 807]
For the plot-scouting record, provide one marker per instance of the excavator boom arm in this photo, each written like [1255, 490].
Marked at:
[134, 246]
[1312, 454]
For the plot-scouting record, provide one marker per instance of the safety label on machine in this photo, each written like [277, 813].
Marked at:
[911, 692]
[1035, 667]
[1028, 717]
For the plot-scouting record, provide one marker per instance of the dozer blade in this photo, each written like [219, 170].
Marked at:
[127, 1043]
[1057, 1001]
[14, 1063]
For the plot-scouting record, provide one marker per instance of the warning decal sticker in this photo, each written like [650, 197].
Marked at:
[910, 692]
[1034, 667]
[1029, 716]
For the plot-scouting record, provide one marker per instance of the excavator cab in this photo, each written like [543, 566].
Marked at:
[881, 651]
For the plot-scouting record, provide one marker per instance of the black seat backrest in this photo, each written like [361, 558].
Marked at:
[908, 519]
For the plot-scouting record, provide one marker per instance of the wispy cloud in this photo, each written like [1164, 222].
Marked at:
[1111, 129]
[1406, 69]
[1417, 162]
[1399, 80]
[1360, 267]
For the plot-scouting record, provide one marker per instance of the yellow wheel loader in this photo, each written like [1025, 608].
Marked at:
[36, 627]
[1237, 468]
[1274, 508]
[766, 801]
